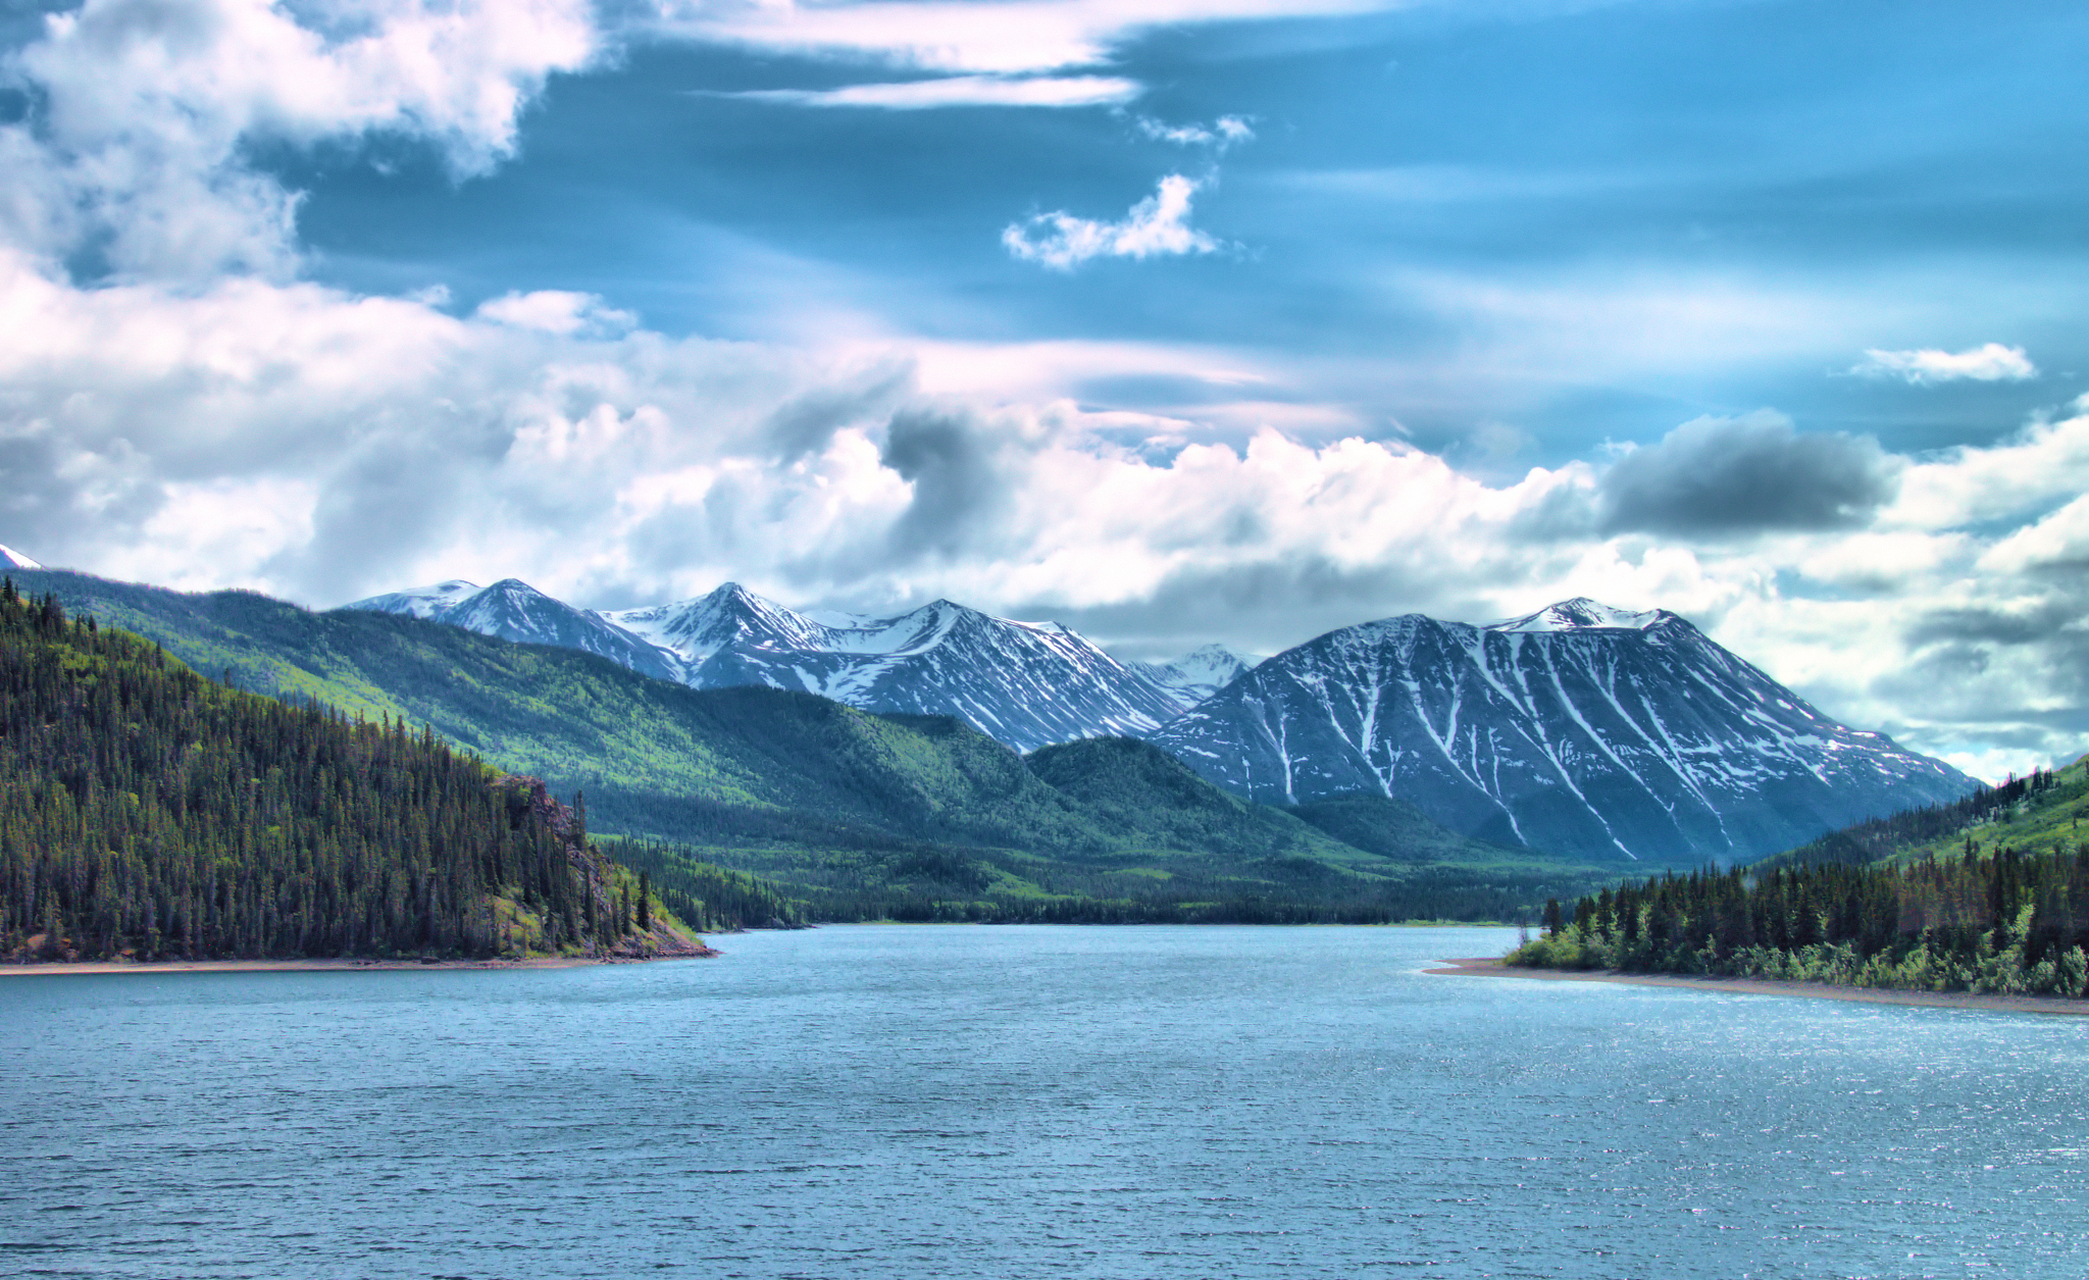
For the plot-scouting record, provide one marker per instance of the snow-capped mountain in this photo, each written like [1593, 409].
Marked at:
[1028, 684]
[12, 559]
[514, 610]
[1196, 675]
[1580, 729]
[419, 602]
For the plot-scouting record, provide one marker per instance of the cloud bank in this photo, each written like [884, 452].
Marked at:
[185, 409]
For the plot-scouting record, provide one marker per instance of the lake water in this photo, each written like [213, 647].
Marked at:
[1027, 1102]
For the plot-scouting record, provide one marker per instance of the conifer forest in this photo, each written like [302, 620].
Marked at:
[146, 811]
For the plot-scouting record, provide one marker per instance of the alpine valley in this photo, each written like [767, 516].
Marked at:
[945, 763]
[1580, 729]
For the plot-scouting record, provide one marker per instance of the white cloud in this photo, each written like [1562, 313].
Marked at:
[324, 446]
[1990, 363]
[1006, 37]
[1222, 134]
[2011, 480]
[554, 311]
[146, 106]
[961, 91]
[1157, 226]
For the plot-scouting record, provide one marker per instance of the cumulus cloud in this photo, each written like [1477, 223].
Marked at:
[960, 91]
[145, 108]
[1990, 363]
[1720, 477]
[1157, 226]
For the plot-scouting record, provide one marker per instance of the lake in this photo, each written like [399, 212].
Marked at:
[1027, 1101]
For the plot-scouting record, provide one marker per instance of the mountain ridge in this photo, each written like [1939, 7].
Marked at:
[1026, 684]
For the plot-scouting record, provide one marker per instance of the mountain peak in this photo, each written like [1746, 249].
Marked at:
[13, 559]
[1583, 614]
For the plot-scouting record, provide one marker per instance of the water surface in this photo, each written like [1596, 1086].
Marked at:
[1026, 1101]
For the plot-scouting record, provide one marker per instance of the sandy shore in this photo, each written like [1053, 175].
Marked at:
[1492, 967]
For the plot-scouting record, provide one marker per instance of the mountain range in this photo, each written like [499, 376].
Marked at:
[1026, 684]
[852, 814]
[1580, 730]
[1584, 729]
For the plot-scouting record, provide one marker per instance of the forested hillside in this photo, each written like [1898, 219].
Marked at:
[1990, 893]
[147, 811]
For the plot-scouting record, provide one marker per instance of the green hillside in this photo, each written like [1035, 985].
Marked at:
[1988, 894]
[148, 812]
[2039, 813]
[850, 815]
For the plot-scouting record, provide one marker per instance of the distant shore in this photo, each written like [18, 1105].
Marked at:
[1492, 967]
[323, 966]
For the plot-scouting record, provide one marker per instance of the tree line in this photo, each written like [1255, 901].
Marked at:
[148, 811]
[2017, 922]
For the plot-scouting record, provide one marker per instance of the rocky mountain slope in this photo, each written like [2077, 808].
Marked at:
[1580, 729]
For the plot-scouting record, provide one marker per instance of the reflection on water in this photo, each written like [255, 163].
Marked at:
[1015, 1102]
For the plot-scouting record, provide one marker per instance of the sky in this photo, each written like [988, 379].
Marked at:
[1234, 320]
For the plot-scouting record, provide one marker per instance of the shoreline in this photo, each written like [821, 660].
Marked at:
[1492, 967]
[326, 965]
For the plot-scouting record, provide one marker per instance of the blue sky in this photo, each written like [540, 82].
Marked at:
[1175, 321]
[1892, 175]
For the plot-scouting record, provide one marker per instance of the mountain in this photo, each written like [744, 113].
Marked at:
[856, 815]
[514, 610]
[1025, 684]
[12, 559]
[1196, 675]
[1581, 729]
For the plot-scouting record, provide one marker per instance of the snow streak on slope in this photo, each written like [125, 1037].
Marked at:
[1580, 729]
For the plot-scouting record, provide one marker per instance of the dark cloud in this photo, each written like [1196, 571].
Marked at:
[2040, 625]
[949, 456]
[806, 423]
[1726, 477]
[2015, 678]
